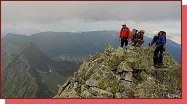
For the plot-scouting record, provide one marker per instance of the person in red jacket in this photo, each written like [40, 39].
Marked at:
[124, 34]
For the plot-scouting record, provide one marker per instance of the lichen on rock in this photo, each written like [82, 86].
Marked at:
[124, 73]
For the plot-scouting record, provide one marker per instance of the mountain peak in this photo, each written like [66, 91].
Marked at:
[120, 73]
[33, 55]
[31, 50]
[30, 46]
[29, 73]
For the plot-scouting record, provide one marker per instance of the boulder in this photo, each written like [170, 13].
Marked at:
[101, 93]
[124, 67]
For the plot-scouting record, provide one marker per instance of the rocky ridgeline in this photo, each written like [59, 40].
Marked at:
[124, 73]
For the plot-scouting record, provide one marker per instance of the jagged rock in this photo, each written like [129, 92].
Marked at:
[123, 76]
[99, 60]
[118, 77]
[120, 73]
[64, 86]
[75, 85]
[128, 76]
[125, 85]
[87, 94]
[108, 89]
[101, 93]
[69, 94]
[83, 87]
[109, 49]
[96, 56]
[124, 95]
[117, 95]
[130, 47]
[124, 67]
[119, 52]
[91, 82]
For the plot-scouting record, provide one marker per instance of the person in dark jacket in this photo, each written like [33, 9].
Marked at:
[133, 33]
[159, 40]
[138, 38]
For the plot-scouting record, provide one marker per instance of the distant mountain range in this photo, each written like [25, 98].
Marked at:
[74, 46]
[34, 66]
[29, 73]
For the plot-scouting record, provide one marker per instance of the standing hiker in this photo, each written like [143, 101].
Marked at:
[124, 34]
[159, 40]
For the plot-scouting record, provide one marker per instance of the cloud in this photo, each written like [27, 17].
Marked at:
[49, 12]
[28, 17]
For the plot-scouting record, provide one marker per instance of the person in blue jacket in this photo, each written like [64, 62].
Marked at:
[159, 40]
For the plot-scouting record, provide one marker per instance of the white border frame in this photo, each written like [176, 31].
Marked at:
[184, 2]
[2, 101]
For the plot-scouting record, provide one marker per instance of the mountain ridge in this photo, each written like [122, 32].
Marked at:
[58, 44]
[28, 73]
[120, 73]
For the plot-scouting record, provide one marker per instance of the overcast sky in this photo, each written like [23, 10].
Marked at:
[31, 17]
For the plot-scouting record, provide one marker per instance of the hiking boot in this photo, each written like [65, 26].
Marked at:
[156, 65]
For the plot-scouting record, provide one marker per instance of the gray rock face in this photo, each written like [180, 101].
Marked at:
[128, 76]
[92, 82]
[120, 73]
[124, 67]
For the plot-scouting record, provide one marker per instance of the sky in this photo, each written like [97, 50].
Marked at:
[29, 17]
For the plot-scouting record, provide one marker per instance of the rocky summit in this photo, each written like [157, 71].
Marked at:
[124, 73]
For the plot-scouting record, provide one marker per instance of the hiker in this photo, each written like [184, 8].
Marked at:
[159, 40]
[124, 34]
[133, 32]
[138, 38]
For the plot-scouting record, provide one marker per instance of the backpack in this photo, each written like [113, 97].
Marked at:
[157, 38]
[135, 35]
[161, 33]
[138, 35]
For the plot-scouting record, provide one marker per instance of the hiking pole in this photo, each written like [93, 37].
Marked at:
[119, 41]
[149, 45]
